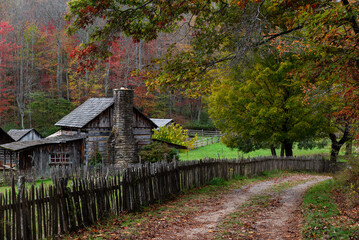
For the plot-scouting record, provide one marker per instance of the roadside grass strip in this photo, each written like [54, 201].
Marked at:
[323, 219]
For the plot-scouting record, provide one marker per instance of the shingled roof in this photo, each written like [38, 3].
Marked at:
[85, 113]
[17, 134]
[160, 122]
[4, 137]
[18, 146]
[88, 111]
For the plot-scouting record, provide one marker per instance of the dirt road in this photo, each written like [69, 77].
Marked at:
[258, 210]
[276, 221]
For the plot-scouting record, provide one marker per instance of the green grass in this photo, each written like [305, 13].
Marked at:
[220, 150]
[27, 185]
[322, 217]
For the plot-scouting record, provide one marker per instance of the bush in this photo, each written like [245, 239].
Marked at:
[351, 173]
[156, 152]
[174, 133]
[96, 159]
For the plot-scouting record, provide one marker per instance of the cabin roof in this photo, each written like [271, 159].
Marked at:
[4, 137]
[160, 122]
[19, 146]
[17, 134]
[88, 111]
[85, 113]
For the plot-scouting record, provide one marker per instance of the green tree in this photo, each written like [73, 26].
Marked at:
[46, 111]
[263, 105]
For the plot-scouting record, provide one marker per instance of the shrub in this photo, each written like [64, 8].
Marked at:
[156, 152]
[96, 159]
[174, 133]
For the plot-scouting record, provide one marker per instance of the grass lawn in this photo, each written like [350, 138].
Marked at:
[220, 150]
[28, 185]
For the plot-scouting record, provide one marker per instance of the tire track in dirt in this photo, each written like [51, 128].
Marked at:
[281, 222]
[276, 223]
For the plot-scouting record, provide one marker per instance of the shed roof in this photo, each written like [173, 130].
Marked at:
[171, 145]
[88, 111]
[18, 146]
[160, 122]
[4, 137]
[85, 113]
[17, 134]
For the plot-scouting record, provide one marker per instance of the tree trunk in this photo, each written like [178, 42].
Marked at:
[107, 77]
[288, 148]
[349, 148]
[273, 151]
[199, 114]
[59, 70]
[336, 145]
[282, 150]
[335, 151]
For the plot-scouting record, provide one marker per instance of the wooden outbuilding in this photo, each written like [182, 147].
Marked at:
[45, 153]
[24, 134]
[4, 138]
[162, 122]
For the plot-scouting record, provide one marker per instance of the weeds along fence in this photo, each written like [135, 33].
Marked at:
[69, 204]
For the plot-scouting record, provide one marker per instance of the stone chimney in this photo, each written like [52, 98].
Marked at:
[122, 144]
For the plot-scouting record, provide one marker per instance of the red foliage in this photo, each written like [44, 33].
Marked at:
[7, 58]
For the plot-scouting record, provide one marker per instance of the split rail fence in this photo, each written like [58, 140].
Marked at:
[42, 212]
[206, 141]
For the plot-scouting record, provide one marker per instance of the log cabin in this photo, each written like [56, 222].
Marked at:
[112, 127]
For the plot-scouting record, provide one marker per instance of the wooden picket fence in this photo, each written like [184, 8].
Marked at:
[42, 212]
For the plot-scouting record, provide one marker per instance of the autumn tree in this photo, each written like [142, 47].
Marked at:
[263, 104]
[7, 58]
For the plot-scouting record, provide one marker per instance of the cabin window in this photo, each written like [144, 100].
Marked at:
[60, 159]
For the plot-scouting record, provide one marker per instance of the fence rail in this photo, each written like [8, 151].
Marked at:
[41, 212]
[204, 133]
[206, 141]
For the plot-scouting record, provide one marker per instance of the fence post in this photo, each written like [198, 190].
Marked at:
[21, 190]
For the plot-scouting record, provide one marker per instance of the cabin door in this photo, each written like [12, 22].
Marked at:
[26, 160]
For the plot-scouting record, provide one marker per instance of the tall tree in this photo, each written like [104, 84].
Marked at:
[263, 104]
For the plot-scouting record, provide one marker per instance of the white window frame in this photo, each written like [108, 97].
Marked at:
[60, 159]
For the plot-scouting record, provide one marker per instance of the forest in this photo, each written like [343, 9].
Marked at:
[268, 74]
[39, 78]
